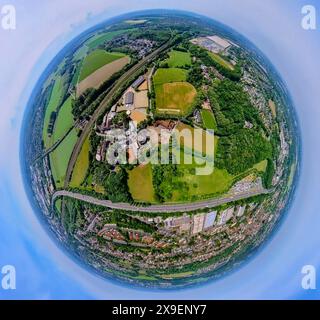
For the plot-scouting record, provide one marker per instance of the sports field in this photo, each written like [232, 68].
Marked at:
[97, 59]
[59, 158]
[82, 165]
[178, 59]
[140, 183]
[169, 75]
[175, 98]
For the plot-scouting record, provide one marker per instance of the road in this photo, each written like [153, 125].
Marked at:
[159, 208]
[102, 108]
[54, 146]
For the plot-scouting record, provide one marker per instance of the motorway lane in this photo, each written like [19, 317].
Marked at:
[159, 208]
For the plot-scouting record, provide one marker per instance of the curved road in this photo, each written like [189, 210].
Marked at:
[86, 131]
[159, 208]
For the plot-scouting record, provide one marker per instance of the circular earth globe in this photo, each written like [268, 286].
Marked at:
[160, 148]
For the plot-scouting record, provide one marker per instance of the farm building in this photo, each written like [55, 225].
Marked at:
[138, 82]
[129, 99]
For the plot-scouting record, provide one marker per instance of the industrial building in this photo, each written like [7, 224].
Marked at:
[209, 219]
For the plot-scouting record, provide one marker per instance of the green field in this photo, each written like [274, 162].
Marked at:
[140, 183]
[52, 106]
[169, 75]
[226, 64]
[76, 75]
[218, 182]
[178, 59]
[175, 98]
[58, 205]
[64, 120]
[80, 53]
[97, 59]
[81, 166]
[208, 119]
[261, 166]
[190, 143]
[101, 38]
[59, 158]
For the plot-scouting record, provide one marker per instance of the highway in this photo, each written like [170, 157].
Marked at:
[103, 105]
[159, 208]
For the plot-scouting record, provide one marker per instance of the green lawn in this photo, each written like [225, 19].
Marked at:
[169, 75]
[208, 119]
[64, 120]
[81, 166]
[175, 98]
[226, 64]
[51, 107]
[140, 183]
[97, 59]
[178, 59]
[59, 158]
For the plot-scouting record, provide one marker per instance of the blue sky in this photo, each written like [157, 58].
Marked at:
[43, 28]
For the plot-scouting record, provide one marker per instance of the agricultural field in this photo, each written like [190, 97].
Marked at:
[76, 75]
[52, 107]
[59, 158]
[96, 79]
[175, 98]
[82, 165]
[208, 119]
[97, 59]
[99, 39]
[140, 183]
[80, 53]
[178, 59]
[64, 120]
[224, 63]
[163, 76]
[273, 108]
